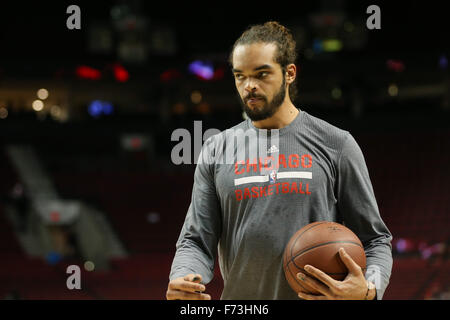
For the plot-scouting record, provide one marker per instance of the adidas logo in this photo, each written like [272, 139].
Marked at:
[273, 149]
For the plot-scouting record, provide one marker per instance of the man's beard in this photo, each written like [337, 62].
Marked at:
[268, 109]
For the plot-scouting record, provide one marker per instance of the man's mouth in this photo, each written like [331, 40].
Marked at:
[253, 99]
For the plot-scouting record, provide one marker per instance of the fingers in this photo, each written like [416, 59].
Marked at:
[313, 283]
[181, 295]
[307, 296]
[327, 286]
[187, 288]
[351, 265]
[187, 284]
[193, 277]
[322, 276]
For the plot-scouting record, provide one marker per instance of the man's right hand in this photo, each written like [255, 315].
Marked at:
[187, 288]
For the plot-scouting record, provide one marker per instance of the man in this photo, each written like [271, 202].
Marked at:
[247, 209]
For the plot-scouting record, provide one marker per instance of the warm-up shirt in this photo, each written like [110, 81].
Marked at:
[251, 194]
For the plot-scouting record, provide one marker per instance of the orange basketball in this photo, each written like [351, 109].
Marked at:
[318, 244]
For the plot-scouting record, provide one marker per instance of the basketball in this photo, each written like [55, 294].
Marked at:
[318, 244]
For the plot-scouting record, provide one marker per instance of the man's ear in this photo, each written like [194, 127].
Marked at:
[291, 73]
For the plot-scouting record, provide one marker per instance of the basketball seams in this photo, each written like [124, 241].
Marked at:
[323, 244]
[298, 236]
[294, 276]
[328, 273]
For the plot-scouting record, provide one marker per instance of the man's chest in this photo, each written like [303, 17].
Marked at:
[279, 175]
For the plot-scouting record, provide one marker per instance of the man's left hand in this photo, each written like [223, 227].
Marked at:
[353, 287]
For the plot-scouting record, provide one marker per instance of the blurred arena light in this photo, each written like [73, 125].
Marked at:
[107, 108]
[120, 73]
[153, 217]
[55, 216]
[3, 113]
[393, 90]
[37, 105]
[53, 258]
[401, 245]
[443, 62]
[169, 75]
[179, 108]
[85, 72]
[336, 93]
[219, 73]
[395, 65]
[119, 11]
[55, 112]
[203, 108]
[42, 94]
[134, 142]
[317, 46]
[203, 70]
[89, 266]
[196, 97]
[97, 108]
[332, 45]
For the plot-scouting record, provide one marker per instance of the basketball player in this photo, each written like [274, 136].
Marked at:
[246, 213]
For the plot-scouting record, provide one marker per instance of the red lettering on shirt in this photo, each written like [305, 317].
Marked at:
[247, 193]
[253, 164]
[236, 167]
[263, 191]
[293, 160]
[300, 188]
[294, 187]
[269, 190]
[307, 189]
[255, 192]
[309, 160]
[277, 185]
[281, 161]
[266, 159]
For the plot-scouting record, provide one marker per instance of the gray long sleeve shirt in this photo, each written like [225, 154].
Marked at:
[251, 195]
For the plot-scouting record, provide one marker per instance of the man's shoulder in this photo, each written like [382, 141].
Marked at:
[319, 124]
[324, 130]
[324, 133]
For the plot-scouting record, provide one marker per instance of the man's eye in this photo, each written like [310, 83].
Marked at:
[262, 74]
[239, 76]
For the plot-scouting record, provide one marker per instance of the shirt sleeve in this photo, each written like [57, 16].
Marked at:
[358, 206]
[196, 248]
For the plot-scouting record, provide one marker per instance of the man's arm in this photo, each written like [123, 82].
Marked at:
[197, 243]
[358, 206]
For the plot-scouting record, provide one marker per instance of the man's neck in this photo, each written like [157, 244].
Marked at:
[285, 114]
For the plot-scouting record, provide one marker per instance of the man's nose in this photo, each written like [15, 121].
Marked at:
[250, 85]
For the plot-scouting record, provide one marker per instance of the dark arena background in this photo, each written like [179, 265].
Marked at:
[87, 177]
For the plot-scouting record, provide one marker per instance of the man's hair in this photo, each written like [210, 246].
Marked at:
[272, 32]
